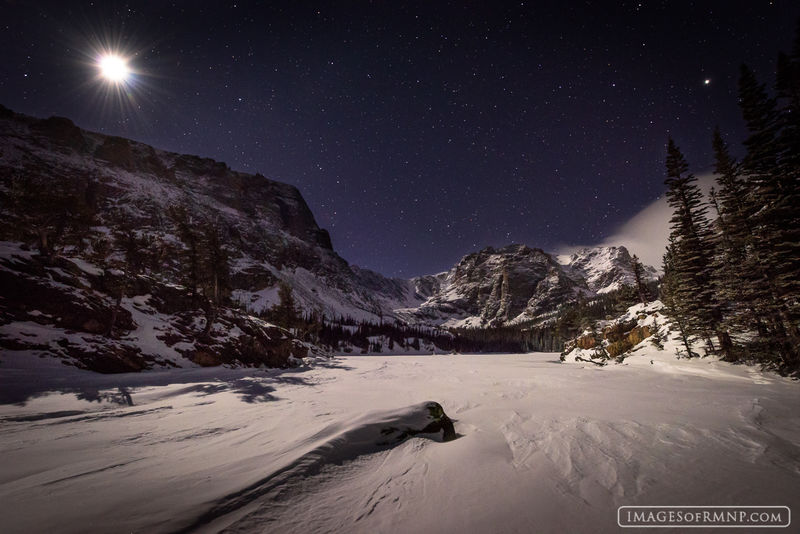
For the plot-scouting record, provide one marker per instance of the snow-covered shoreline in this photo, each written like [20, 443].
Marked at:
[544, 446]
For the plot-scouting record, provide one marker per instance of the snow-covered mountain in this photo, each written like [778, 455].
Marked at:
[101, 204]
[516, 283]
[604, 269]
[269, 231]
[93, 265]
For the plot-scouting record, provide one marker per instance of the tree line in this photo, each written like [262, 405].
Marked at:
[547, 335]
[732, 266]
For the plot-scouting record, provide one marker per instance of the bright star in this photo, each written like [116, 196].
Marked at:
[113, 68]
[707, 81]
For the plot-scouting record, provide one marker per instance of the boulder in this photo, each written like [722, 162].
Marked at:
[426, 418]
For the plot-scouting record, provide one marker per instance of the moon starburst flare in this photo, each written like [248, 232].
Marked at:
[113, 68]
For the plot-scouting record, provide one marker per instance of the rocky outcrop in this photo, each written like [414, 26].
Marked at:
[65, 308]
[486, 288]
[628, 340]
[616, 338]
[619, 338]
[116, 151]
[516, 284]
[425, 418]
[62, 131]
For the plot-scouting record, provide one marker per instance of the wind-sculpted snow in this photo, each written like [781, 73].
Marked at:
[367, 435]
[543, 446]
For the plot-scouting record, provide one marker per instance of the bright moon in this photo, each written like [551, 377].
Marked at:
[113, 68]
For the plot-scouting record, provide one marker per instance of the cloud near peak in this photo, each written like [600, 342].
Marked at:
[646, 234]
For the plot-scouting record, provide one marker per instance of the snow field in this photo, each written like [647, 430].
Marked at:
[544, 446]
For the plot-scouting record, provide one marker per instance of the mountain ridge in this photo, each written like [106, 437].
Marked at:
[302, 256]
[116, 205]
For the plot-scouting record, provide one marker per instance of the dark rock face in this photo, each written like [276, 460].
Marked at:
[57, 309]
[116, 151]
[58, 291]
[427, 286]
[497, 284]
[122, 186]
[63, 131]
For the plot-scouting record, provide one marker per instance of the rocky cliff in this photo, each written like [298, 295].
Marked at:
[517, 284]
[267, 227]
[604, 269]
[99, 255]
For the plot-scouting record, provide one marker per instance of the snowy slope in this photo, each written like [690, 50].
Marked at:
[543, 446]
[63, 309]
[269, 231]
[604, 269]
[516, 283]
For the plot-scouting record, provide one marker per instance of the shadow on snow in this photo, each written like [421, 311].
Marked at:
[19, 386]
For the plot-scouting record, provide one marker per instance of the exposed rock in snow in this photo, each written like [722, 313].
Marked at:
[618, 338]
[62, 309]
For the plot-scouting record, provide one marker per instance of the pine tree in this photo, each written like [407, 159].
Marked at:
[691, 255]
[656, 338]
[787, 85]
[730, 264]
[189, 255]
[118, 280]
[638, 275]
[786, 255]
[44, 210]
[214, 272]
[676, 310]
[214, 264]
[773, 204]
[310, 329]
[284, 313]
[761, 117]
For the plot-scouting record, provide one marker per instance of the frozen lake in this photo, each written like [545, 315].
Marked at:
[544, 446]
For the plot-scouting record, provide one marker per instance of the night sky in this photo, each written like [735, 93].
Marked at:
[417, 132]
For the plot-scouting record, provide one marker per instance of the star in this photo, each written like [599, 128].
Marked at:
[707, 81]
